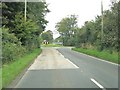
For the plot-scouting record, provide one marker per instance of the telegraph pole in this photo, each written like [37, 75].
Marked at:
[113, 1]
[102, 21]
[25, 8]
[102, 36]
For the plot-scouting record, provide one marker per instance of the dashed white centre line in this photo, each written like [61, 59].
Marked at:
[100, 86]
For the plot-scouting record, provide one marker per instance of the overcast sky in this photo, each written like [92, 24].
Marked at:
[85, 9]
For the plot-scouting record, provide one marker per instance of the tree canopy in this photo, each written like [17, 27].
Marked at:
[90, 34]
[48, 36]
[66, 28]
[20, 33]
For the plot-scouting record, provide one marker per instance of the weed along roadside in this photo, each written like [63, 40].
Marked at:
[12, 70]
[102, 55]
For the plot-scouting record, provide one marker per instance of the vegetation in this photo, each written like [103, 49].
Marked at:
[11, 70]
[51, 45]
[66, 28]
[58, 39]
[0, 78]
[90, 35]
[48, 36]
[20, 36]
[110, 57]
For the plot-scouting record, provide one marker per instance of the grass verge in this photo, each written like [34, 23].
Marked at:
[0, 78]
[103, 55]
[11, 70]
[51, 45]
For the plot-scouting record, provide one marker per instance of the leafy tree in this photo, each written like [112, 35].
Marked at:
[9, 10]
[24, 30]
[37, 12]
[11, 47]
[48, 35]
[58, 39]
[67, 27]
[19, 34]
[90, 34]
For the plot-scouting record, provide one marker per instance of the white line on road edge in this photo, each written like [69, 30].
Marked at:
[100, 86]
[72, 63]
[100, 59]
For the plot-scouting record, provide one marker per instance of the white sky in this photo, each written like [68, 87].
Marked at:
[85, 9]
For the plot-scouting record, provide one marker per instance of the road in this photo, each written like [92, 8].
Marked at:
[64, 68]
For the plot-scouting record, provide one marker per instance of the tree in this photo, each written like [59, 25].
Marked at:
[20, 36]
[26, 31]
[29, 31]
[67, 27]
[37, 12]
[58, 39]
[48, 36]
[11, 46]
[9, 10]
[90, 34]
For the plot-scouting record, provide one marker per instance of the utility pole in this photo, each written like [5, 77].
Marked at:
[102, 26]
[25, 9]
[113, 1]
[102, 36]
[102, 22]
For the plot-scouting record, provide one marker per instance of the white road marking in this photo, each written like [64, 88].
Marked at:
[100, 86]
[52, 60]
[99, 59]
[72, 63]
[61, 55]
[69, 61]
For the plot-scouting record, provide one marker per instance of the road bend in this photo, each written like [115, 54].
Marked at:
[64, 68]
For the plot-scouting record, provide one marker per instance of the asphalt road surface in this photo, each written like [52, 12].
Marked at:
[64, 68]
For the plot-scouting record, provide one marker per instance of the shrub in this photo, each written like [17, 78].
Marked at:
[11, 51]
[11, 47]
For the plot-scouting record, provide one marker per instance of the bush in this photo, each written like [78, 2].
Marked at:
[11, 46]
[12, 51]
